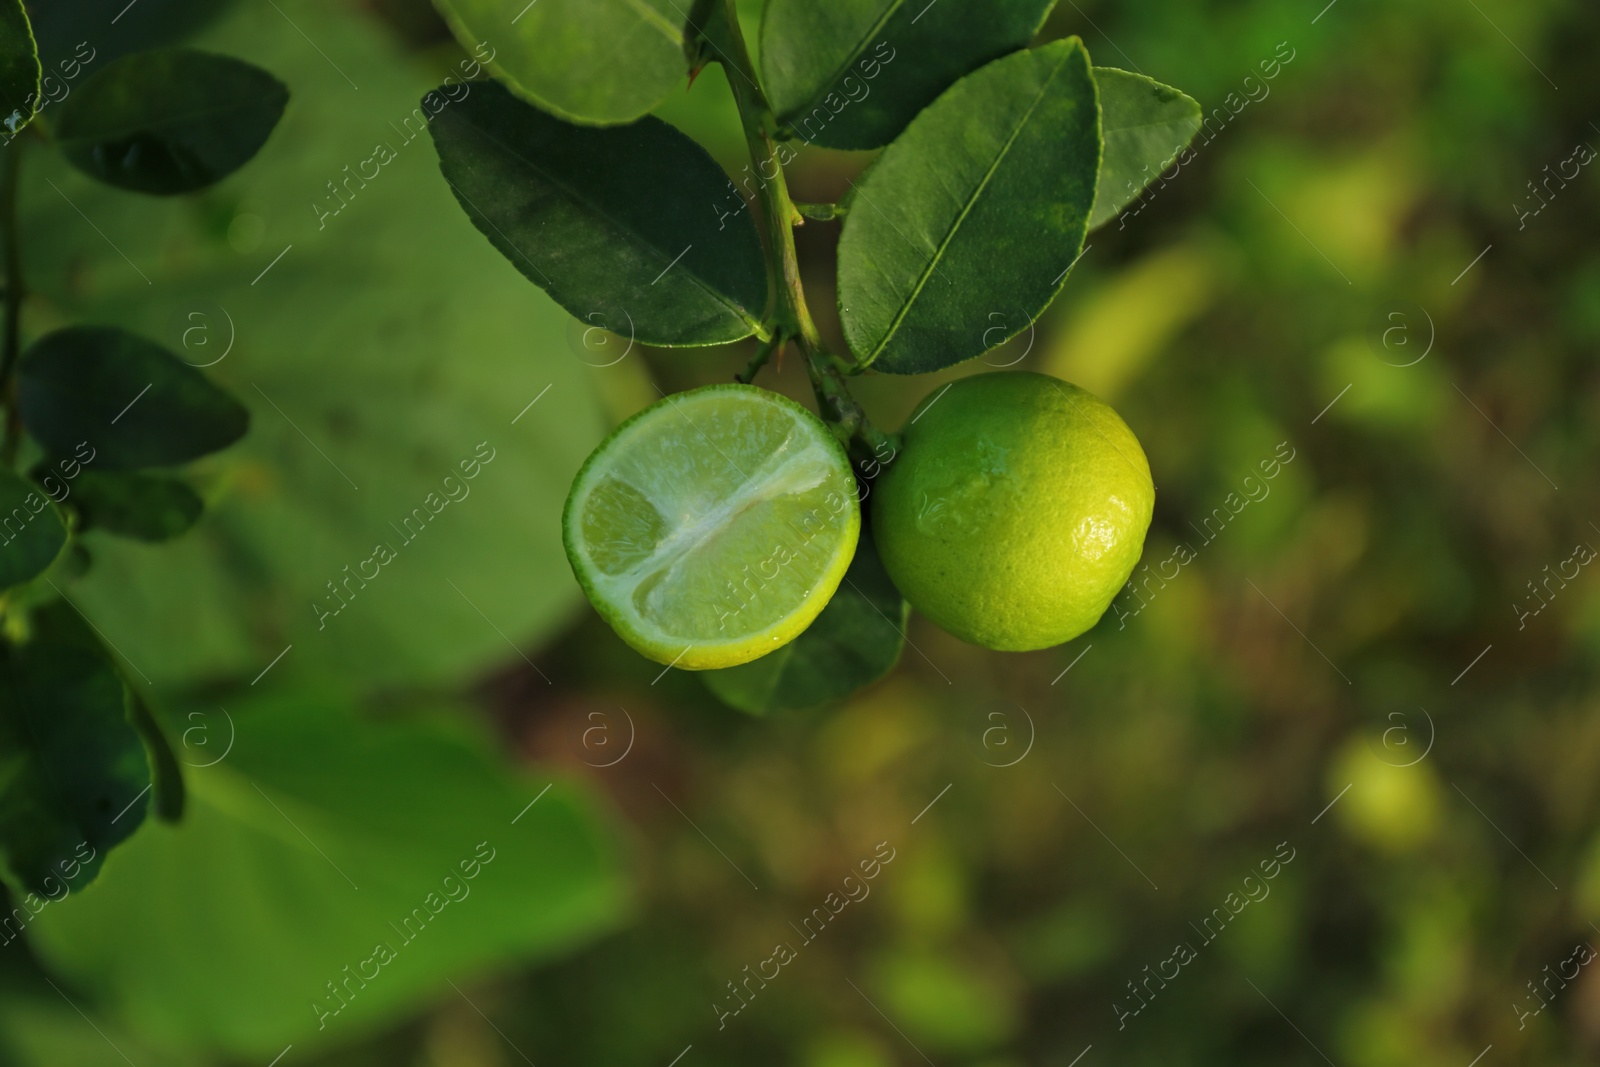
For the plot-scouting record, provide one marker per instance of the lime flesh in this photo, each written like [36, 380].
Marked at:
[712, 527]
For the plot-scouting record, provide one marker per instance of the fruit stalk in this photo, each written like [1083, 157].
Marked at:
[790, 312]
[764, 352]
[844, 416]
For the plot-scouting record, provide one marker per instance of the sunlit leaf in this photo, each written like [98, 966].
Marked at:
[963, 230]
[36, 1033]
[590, 61]
[1145, 124]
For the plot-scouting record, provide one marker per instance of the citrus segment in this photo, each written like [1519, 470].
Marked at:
[712, 527]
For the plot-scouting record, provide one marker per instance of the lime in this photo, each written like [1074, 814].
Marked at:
[1015, 511]
[713, 526]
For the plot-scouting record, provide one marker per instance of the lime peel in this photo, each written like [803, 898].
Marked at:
[1016, 510]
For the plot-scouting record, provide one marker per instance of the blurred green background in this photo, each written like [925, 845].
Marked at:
[1353, 272]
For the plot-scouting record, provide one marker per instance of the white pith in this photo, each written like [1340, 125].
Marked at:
[805, 460]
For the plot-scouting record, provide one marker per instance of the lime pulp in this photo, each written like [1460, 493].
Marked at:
[712, 527]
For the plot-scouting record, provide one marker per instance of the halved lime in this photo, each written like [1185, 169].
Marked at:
[713, 526]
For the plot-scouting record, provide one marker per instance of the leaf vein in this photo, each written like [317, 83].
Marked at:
[955, 227]
[849, 61]
[657, 19]
[640, 239]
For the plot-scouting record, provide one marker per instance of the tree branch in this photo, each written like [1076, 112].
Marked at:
[839, 408]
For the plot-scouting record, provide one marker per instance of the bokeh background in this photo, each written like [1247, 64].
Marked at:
[1365, 681]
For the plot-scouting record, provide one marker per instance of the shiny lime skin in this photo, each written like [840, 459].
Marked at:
[1015, 510]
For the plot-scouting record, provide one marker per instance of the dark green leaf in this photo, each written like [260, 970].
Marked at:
[309, 804]
[72, 770]
[63, 29]
[855, 641]
[113, 399]
[19, 68]
[962, 231]
[31, 531]
[169, 121]
[635, 228]
[852, 73]
[599, 62]
[146, 507]
[1144, 124]
[706, 38]
[165, 773]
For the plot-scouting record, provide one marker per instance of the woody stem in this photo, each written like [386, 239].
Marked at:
[839, 409]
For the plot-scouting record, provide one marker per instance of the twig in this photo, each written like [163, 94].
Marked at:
[11, 256]
[763, 353]
[788, 297]
[822, 212]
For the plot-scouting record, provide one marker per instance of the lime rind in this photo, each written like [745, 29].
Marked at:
[1015, 511]
[714, 526]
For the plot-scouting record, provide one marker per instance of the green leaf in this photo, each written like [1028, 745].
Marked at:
[169, 121]
[706, 37]
[308, 846]
[72, 770]
[1145, 124]
[134, 403]
[852, 73]
[855, 641]
[59, 26]
[373, 351]
[165, 773]
[637, 225]
[36, 1033]
[31, 530]
[145, 507]
[598, 62]
[962, 231]
[19, 68]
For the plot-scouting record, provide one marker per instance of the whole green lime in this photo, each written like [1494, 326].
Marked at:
[1015, 511]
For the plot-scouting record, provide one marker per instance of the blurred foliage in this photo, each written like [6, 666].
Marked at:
[1359, 636]
[420, 819]
[377, 355]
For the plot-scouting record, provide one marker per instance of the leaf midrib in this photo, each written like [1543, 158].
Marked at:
[966, 209]
[161, 124]
[610, 220]
[656, 19]
[855, 53]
